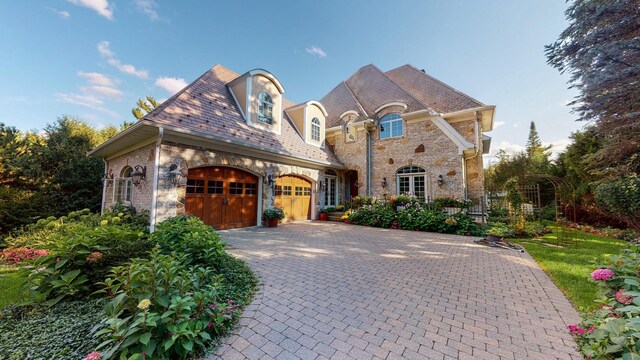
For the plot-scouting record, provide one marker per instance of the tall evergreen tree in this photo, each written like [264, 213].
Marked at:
[601, 50]
[143, 108]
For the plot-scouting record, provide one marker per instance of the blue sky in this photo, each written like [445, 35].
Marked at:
[94, 58]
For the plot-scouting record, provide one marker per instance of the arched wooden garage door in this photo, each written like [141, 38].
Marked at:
[293, 195]
[222, 197]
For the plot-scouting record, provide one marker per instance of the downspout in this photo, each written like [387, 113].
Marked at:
[154, 196]
[104, 185]
[369, 167]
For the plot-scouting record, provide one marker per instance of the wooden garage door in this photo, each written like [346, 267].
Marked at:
[293, 195]
[224, 198]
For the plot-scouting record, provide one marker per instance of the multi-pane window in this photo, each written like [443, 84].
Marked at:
[307, 191]
[265, 108]
[391, 126]
[250, 189]
[315, 129]
[214, 187]
[235, 188]
[195, 186]
[412, 181]
[286, 190]
[330, 192]
[278, 190]
[298, 190]
[124, 186]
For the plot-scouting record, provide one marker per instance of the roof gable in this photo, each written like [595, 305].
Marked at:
[207, 106]
[430, 91]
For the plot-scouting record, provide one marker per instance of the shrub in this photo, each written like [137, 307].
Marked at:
[415, 217]
[58, 332]
[78, 261]
[273, 213]
[443, 202]
[613, 331]
[188, 235]
[621, 198]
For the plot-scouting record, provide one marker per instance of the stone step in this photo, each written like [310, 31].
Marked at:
[336, 216]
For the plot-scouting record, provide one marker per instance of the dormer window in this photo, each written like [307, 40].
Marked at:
[391, 126]
[265, 108]
[315, 129]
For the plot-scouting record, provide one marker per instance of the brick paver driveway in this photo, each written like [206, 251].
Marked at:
[331, 290]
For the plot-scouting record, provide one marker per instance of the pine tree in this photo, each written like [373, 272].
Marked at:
[144, 107]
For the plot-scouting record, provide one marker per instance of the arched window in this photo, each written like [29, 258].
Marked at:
[124, 186]
[265, 108]
[411, 180]
[315, 129]
[391, 126]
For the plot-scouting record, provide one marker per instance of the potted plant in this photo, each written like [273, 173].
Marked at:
[324, 215]
[271, 216]
[497, 231]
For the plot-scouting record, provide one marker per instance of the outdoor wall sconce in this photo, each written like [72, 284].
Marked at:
[174, 174]
[271, 180]
[108, 176]
[384, 183]
[139, 174]
[440, 180]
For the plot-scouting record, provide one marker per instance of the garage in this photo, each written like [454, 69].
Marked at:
[293, 195]
[222, 197]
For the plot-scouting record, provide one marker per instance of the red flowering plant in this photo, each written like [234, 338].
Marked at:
[613, 330]
[14, 255]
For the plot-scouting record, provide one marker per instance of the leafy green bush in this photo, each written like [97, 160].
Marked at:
[415, 217]
[621, 198]
[443, 202]
[613, 331]
[188, 235]
[58, 332]
[273, 213]
[77, 262]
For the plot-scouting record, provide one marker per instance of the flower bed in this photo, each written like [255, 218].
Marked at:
[414, 216]
[613, 330]
[165, 295]
[628, 234]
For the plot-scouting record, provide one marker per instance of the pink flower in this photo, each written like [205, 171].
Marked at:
[622, 298]
[573, 329]
[591, 328]
[95, 256]
[209, 325]
[602, 274]
[212, 306]
[93, 356]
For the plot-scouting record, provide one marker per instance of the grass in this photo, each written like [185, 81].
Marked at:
[570, 266]
[11, 286]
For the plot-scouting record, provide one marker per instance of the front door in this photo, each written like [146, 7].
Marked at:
[293, 195]
[222, 197]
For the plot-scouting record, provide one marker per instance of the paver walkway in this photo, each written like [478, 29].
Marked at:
[331, 290]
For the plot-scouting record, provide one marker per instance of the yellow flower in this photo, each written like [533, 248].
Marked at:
[144, 304]
[104, 222]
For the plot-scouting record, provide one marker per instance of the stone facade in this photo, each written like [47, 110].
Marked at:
[423, 144]
[170, 199]
[142, 194]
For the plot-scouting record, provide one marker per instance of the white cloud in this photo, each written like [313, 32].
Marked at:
[171, 84]
[497, 124]
[105, 51]
[148, 8]
[316, 51]
[107, 91]
[102, 7]
[62, 13]
[96, 78]
[557, 146]
[87, 100]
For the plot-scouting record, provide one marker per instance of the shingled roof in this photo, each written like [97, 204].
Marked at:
[207, 106]
[369, 88]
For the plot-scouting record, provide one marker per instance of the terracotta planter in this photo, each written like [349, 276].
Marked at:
[493, 238]
[324, 216]
[272, 222]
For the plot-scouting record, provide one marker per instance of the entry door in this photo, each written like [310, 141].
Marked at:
[293, 195]
[222, 197]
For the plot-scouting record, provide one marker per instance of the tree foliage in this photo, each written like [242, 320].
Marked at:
[601, 50]
[622, 198]
[144, 107]
[49, 174]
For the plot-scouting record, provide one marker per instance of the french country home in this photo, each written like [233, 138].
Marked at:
[230, 145]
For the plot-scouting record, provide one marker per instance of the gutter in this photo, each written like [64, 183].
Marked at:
[156, 180]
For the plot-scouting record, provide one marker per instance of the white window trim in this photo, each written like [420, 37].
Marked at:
[335, 189]
[260, 102]
[116, 184]
[389, 123]
[411, 176]
[315, 125]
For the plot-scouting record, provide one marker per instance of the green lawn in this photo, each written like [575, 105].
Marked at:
[570, 266]
[11, 286]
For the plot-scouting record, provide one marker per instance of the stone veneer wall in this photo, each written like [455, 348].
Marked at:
[423, 145]
[141, 194]
[475, 166]
[170, 199]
